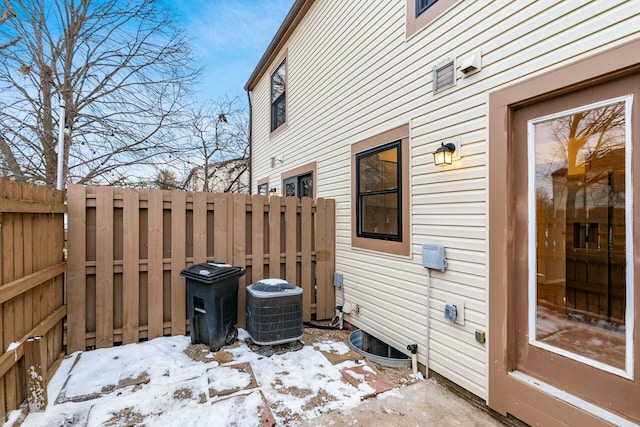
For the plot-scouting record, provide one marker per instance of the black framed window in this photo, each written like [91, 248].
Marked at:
[299, 186]
[279, 96]
[379, 196]
[422, 5]
[262, 189]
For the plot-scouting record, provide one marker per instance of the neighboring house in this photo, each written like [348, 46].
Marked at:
[540, 100]
[228, 176]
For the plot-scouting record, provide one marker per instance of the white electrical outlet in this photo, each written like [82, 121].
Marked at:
[347, 307]
[459, 309]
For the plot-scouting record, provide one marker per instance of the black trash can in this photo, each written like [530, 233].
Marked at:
[212, 303]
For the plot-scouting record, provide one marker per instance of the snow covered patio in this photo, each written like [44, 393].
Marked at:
[168, 382]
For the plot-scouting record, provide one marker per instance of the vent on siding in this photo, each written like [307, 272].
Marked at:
[444, 75]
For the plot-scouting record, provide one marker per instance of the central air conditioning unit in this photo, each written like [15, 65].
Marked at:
[274, 312]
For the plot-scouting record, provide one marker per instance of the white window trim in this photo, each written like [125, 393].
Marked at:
[628, 372]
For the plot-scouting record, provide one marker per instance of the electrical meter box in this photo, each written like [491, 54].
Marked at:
[433, 257]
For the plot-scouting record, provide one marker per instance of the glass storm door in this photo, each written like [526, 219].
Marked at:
[578, 241]
[574, 298]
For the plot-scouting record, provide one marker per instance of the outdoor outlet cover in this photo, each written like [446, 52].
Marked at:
[459, 310]
[480, 337]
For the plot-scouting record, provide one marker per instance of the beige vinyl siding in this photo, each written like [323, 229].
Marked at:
[352, 75]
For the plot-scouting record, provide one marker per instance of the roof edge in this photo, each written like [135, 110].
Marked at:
[291, 21]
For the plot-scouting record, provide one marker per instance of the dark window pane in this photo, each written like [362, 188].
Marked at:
[278, 112]
[422, 5]
[290, 189]
[379, 171]
[380, 214]
[279, 96]
[305, 187]
[279, 81]
[378, 185]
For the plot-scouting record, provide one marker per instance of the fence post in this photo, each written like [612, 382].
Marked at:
[36, 373]
[76, 286]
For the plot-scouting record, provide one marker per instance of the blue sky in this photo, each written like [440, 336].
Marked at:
[229, 38]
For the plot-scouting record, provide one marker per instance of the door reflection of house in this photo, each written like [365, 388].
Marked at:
[596, 241]
[581, 256]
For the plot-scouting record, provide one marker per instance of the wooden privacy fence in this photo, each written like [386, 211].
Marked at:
[31, 292]
[127, 247]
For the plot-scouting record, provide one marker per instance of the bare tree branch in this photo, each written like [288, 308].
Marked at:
[123, 70]
[218, 138]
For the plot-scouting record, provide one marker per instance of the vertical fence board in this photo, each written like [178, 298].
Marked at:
[257, 238]
[274, 236]
[76, 268]
[330, 257]
[239, 259]
[8, 315]
[131, 266]
[199, 227]
[221, 229]
[3, 218]
[291, 238]
[36, 365]
[178, 257]
[155, 265]
[104, 267]
[321, 278]
[9, 255]
[306, 246]
[29, 256]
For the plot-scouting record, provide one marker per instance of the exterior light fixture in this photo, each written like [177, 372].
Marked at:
[444, 154]
[272, 191]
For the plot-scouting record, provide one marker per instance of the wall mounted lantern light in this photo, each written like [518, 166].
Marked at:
[272, 191]
[444, 154]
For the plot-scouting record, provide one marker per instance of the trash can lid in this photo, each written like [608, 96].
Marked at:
[269, 287]
[210, 272]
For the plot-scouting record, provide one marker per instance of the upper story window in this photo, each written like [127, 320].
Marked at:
[279, 96]
[380, 192]
[263, 189]
[422, 5]
[421, 12]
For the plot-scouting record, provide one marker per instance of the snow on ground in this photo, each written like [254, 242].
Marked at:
[155, 383]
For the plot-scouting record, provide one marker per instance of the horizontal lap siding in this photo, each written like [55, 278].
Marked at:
[353, 74]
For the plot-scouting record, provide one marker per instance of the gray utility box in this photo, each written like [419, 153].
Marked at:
[212, 303]
[274, 312]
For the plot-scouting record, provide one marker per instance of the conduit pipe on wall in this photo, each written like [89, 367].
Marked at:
[426, 349]
[413, 348]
